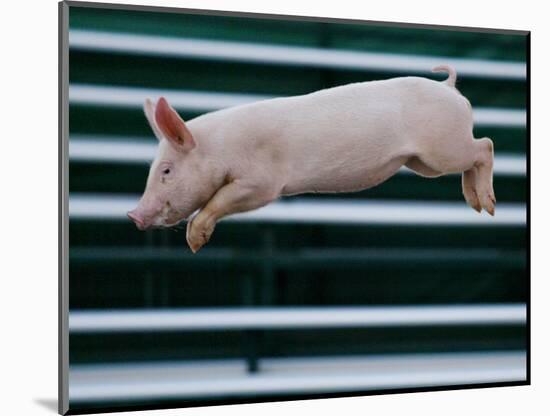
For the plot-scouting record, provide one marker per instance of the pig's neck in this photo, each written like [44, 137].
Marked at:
[212, 153]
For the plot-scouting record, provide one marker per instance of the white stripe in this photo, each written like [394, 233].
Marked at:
[499, 117]
[90, 206]
[139, 150]
[295, 317]
[210, 101]
[222, 378]
[509, 164]
[288, 55]
[111, 149]
[135, 97]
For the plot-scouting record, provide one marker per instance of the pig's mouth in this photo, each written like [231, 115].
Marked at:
[169, 216]
[166, 217]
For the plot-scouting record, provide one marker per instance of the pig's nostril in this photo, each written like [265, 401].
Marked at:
[138, 221]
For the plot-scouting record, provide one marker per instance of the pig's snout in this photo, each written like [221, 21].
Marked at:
[138, 220]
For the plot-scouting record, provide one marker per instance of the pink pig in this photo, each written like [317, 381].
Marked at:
[342, 139]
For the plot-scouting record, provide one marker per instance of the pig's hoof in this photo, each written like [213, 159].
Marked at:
[198, 235]
[473, 201]
[488, 203]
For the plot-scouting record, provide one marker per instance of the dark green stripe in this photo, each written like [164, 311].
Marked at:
[346, 36]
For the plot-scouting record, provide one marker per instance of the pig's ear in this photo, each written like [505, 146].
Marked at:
[173, 127]
[149, 110]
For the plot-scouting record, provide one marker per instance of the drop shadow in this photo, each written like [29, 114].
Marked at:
[49, 404]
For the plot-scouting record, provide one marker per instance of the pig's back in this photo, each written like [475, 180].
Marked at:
[377, 117]
[382, 107]
[361, 110]
[346, 132]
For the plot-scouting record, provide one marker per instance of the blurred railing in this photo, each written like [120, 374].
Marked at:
[138, 382]
[287, 55]
[211, 101]
[205, 319]
[227, 378]
[115, 207]
[123, 150]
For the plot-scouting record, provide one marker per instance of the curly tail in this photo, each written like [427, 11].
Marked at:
[451, 80]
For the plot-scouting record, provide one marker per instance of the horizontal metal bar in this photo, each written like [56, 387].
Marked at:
[88, 206]
[111, 149]
[204, 319]
[229, 378]
[499, 117]
[196, 101]
[306, 258]
[272, 54]
[84, 148]
[199, 101]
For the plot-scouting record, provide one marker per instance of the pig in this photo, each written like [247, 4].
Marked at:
[342, 139]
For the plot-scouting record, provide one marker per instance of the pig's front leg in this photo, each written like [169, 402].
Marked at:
[236, 196]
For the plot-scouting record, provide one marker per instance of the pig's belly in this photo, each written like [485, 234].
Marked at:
[346, 177]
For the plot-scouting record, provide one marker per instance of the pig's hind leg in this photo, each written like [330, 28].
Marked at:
[468, 179]
[483, 164]
[473, 158]
[420, 168]
[236, 196]
[477, 181]
[469, 188]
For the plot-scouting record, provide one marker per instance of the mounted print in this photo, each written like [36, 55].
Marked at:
[263, 208]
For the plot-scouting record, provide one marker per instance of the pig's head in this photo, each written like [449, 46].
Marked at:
[179, 182]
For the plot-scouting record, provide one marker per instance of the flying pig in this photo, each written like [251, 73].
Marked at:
[343, 139]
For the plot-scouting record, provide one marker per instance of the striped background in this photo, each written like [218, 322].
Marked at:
[399, 286]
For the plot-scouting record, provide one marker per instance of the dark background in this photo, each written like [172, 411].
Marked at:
[113, 265]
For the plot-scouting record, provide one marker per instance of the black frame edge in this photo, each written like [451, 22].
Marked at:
[528, 202]
[63, 215]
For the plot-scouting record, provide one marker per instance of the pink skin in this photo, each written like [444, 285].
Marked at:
[171, 194]
[342, 139]
[138, 220]
[156, 214]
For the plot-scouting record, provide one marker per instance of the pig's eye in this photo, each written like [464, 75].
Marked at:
[166, 171]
